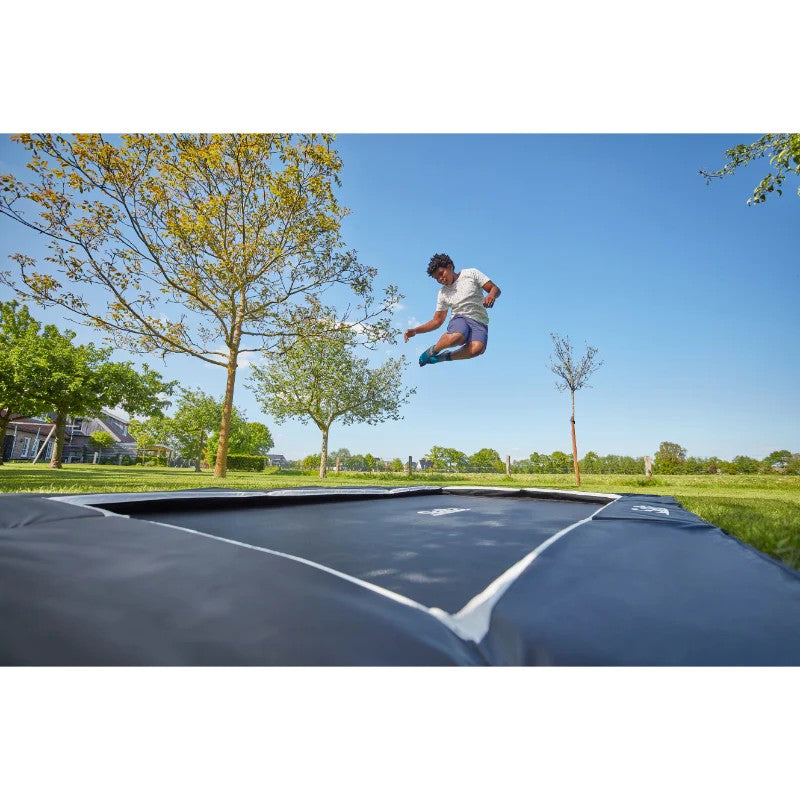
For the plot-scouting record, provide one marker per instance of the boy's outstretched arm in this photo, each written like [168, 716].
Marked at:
[438, 319]
[494, 293]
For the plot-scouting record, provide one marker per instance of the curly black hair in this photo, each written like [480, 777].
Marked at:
[439, 260]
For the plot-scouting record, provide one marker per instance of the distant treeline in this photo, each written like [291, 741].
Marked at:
[670, 459]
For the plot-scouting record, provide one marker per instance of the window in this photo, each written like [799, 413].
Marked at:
[26, 444]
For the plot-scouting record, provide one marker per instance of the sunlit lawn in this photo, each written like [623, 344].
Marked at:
[763, 510]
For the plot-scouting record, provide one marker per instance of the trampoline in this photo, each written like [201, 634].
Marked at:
[374, 576]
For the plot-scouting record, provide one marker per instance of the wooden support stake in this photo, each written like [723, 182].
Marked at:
[41, 449]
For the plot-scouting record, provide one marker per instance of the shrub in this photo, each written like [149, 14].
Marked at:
[245, 463]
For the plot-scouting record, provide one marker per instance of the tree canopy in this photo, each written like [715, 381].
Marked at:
[783, 151]
[323, 380]
[203, 245]
[573, 374]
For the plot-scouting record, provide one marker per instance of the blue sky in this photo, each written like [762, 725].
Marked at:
[615, 240]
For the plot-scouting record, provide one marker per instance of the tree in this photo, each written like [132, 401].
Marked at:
[245, 438]
[396, 465]
[573, 375]
[101, 439]
[670, 458]
[81, 381]
[196, 417]
[323, 380]
[447, 459]
[208, 246]
[310, 462]
[155, 430]
[559, 462]
[777, 461]
[22, 366]
[486, 460]
[783, 150]
[745, 465]
[591, 463]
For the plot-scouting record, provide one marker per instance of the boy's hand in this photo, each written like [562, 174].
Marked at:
[488, 301]
[408, 334]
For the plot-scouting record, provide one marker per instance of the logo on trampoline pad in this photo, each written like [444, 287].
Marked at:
[651, 509]
[438, 512]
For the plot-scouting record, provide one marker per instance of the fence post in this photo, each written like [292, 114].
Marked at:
[338, 466]
[95, 457]
[408, 467]
[648, 467]
[508, 466]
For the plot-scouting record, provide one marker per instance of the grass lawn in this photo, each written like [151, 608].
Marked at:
[762, 510]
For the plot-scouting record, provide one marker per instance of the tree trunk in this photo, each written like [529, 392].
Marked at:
[323, 458]
[58, 447]
[200, 444]
[574, 444]
[3, 429]
[221, 467]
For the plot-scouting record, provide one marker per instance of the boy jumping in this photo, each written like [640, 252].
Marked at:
[469, 326]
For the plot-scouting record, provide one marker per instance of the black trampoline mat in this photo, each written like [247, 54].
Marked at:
[440, 559]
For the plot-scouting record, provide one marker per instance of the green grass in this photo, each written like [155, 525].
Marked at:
[762, 510]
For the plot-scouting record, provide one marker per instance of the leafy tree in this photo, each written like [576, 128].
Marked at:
[197, 416]
[777, 461]
[396, 465]
[79, 380]
[745, 465]
[204, 245]
[23, 366]
[559, 462]
[323, 380]
[246, 438]
[590, 463]
[101, 439]
[670, 458]
[447, 459]
[574, 375]
[309, 462]
[486, 460]
[539, 462]
[783, 150]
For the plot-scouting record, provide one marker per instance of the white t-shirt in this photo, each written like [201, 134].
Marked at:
[465, 296]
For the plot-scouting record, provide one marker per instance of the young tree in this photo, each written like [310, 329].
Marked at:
[783, 150]
[323, 380]
[203, 245]
[574, 375]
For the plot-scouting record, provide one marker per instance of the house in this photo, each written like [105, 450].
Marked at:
[276, 460]
[25, 438]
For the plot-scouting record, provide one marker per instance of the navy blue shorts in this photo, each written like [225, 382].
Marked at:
[471, 330]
